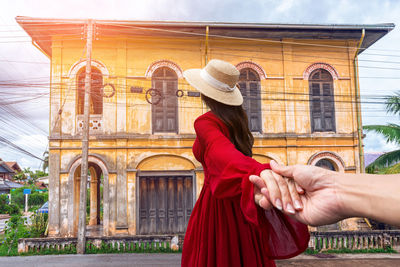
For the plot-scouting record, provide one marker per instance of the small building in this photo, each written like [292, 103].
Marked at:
[14, 166]
[300, 93]
[6, 171]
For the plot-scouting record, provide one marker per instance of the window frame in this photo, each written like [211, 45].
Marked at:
[247, 98]
[323, 99]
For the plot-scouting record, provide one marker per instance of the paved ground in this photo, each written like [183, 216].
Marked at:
[98, 260]
[344, 260]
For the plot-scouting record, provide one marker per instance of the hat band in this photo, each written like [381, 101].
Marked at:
[214, 82]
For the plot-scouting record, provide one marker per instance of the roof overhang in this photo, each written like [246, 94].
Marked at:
[42, 30]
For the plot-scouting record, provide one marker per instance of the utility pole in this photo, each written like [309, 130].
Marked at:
[81, 246]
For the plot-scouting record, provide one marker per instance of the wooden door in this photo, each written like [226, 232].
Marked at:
[166, 203]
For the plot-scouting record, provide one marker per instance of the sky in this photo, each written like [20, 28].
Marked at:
[24, 120]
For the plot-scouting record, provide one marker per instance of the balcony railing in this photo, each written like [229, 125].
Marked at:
[120, 243]
[320, 241]
[355, 240]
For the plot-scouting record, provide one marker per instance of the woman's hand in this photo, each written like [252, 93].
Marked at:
[272, 190]
[321, 202]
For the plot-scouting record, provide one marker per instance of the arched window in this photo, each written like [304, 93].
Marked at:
[96, 92]
[322, 102]
[249, 84]
[326, 164]
[165, 112]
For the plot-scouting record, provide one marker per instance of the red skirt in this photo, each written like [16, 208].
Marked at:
[219, 235]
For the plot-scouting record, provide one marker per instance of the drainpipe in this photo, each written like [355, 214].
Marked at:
[207, 30]
[358, 108]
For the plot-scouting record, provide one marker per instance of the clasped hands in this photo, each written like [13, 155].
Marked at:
[307, 193]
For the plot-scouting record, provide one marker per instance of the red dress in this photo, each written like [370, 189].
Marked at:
[226, 227]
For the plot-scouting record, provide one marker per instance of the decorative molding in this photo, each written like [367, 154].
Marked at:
[161, 136]
[190, 147]
[95, 158]
[164, 63]
[73, 71]
[332, 156]
[95, 123]
[254, 66]
[320, 65]
[274, 78]
[144, 157]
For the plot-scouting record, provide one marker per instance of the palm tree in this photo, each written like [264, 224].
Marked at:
[45, 163]
[390, 131]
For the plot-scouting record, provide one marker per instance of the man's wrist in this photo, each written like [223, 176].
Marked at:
[351, 195]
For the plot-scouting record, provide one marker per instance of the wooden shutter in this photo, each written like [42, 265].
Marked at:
[254, 107]
[157, 109]
[96, 92]
[165, 113]
[171, 111]
[80, 92]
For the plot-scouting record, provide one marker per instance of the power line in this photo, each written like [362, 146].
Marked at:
[18, 148]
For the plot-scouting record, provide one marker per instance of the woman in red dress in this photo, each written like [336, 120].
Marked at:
[226, 227]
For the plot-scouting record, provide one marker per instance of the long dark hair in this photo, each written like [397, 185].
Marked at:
[235, 118]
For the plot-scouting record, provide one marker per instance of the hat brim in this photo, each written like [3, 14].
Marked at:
[233, 98]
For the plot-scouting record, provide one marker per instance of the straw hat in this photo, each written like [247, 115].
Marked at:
[217, 80]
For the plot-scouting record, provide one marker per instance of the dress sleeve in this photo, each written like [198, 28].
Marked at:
[229, 171]
[228, 168]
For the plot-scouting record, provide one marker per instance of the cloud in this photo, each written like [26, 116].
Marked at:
[285, 6]
[374, 142]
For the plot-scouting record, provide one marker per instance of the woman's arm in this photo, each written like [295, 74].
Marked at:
[231, 169]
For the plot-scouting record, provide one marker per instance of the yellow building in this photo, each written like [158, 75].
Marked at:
[298, 81]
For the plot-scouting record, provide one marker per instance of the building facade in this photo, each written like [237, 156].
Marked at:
[299, 87]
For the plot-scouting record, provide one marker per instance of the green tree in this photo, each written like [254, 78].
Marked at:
[21, 176]
[391, 132]
[45, 164]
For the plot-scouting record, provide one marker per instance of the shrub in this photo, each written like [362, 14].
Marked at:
[15, 229]
[39, 225]
[37, 199]
[3, 204]
[13, 209]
